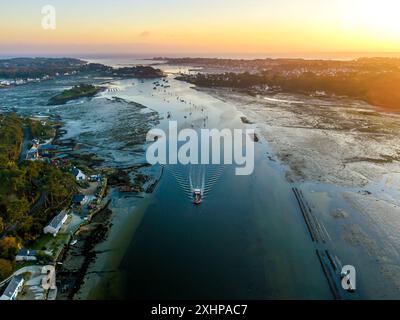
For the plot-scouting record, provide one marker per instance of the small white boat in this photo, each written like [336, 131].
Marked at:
[197, 196]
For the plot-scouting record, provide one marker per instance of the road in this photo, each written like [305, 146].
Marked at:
[25, 144]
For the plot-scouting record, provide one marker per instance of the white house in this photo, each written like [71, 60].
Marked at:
[55, 225]
[79, 175]
[35, 143]
[33, 154]
[26, 255]
[14, 287]
[95, 178]
[320, 93]
[80, 199]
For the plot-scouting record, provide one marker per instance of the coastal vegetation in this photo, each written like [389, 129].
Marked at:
[88, 90]
[30, 193]
[11, 135]
[37, 67]
[76, 92]
[375, 81]
[144, 72]
[41, 130]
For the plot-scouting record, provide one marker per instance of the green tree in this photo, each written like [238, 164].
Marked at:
[17, 208]
[6, 268]
[2, 225]
[9, 247]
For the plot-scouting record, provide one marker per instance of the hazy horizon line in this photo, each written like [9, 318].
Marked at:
[244, 56]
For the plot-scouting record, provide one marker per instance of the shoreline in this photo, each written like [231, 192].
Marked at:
[344, 159]
[87, 236]
[334, 154]
[134, 181]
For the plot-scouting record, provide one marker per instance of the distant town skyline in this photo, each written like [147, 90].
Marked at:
[204, 28]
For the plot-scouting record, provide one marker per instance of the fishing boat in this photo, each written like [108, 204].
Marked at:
[197, 196]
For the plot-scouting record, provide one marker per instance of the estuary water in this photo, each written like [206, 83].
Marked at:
[247, 240]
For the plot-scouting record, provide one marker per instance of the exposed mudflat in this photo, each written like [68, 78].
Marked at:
[341, 156]
[345, 156]
[332, 141]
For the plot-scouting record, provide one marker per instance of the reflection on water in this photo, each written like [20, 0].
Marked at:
[247, 239]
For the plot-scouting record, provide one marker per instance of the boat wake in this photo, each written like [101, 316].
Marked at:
[196, 177]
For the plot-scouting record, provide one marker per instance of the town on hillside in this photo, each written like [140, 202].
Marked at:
[32, 244]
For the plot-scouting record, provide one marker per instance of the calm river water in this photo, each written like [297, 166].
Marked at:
[247, 240]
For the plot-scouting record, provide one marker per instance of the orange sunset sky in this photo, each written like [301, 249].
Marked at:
[212, 27]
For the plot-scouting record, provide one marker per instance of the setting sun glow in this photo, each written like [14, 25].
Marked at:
[204, 27]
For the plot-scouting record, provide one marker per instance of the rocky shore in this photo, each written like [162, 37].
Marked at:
[77, 257]
[136, 180]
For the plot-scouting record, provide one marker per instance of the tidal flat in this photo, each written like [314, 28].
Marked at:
[250, 238]
[344, 154]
